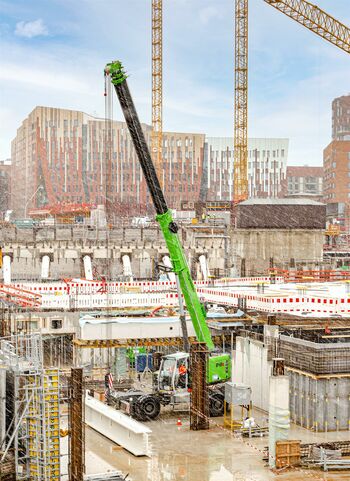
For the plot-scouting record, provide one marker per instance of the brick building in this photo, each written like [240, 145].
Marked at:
[267, 164]
[305, 180]
[5, 186]
[336, 163]
[341, 118]
[66, 156]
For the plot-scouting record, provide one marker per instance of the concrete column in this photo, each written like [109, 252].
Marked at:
[167, 263]
[204, 267]
[127, 271]
[2, 403]
[88, 268]
[45, 267]
[6, 269]
[279, 415]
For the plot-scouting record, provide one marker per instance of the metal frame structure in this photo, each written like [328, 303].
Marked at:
[199, 412]
[157, 85]
[76, 426]
[306, 14]
[316, 20]
[34, 431]
[240, 179]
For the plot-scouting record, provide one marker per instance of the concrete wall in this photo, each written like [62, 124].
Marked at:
[226, 253]
[321, 404]
[66, 247]
[258, 246]
[317, 403]
[251, 366]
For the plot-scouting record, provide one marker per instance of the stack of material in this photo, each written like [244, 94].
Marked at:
[7, 467]
[110, 476]
[319, 453]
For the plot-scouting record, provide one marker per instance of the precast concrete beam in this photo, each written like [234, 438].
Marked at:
[120, 428]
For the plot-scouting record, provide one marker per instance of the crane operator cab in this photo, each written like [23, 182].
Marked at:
[173, 373]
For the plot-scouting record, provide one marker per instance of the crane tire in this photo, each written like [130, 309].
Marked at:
[216, 404]
[148, 407]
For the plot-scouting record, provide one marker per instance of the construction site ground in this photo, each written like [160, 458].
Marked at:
[179, 454]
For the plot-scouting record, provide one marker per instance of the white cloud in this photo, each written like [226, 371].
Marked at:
[31, 29]
[207, 13]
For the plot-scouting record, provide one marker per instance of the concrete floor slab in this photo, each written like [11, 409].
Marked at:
[215, 455]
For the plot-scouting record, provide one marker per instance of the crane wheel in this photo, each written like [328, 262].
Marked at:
[216, 404]
[147, 407]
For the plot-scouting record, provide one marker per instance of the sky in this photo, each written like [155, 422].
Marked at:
[52, 53]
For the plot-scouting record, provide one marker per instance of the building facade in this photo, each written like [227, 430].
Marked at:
[341, 118]
[267, 164]
[5, 186]
[336, 163]
[66, 156]
[305, 180]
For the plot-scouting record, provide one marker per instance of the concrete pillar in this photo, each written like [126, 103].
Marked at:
[6, 269]
[204, 267]
[167, 263]
[88, 268]
[279, 415]
[2, 403]
[45, 267]
[127, 271]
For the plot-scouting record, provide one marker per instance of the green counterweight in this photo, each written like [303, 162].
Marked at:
[180, 266]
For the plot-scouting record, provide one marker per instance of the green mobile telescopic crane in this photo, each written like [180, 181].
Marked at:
[164, 216]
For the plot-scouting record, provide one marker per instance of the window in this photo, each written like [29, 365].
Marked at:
[334, 164]
[56, 324]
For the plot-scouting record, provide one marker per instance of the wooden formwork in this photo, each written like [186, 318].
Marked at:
[287, 454]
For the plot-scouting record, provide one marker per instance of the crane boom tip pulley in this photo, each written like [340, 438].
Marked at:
[116, 72]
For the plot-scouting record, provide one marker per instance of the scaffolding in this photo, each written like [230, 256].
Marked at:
[34, 430]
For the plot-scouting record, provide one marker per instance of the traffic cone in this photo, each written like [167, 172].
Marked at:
[179, 423]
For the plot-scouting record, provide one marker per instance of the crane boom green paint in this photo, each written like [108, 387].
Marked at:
[164, 216]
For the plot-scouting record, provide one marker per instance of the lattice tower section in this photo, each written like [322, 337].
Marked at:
[157, 86]
[241, 102]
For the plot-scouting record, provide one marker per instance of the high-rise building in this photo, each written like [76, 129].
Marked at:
[305, 180]
[5, 186]
[267, 164]
[336, 162]
[341, 118]
[66, 156]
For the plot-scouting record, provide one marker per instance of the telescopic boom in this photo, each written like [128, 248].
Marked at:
[169, 228]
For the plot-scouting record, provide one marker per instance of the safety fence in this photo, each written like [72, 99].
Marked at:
[276, 304]
[82, 286]
[99, 294]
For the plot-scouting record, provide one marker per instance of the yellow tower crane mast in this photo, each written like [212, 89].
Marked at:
[240, 140]
[157, 85]
[303, 12]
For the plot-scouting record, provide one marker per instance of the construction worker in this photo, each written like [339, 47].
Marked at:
[182, 375]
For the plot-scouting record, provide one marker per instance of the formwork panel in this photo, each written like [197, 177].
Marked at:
[319, 404]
